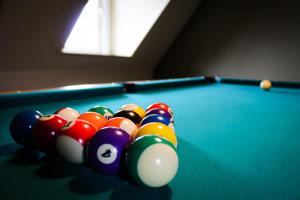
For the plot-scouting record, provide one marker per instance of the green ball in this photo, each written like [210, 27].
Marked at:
[152, 161]
[106, 112]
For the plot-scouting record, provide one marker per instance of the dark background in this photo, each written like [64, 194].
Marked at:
[248, 39]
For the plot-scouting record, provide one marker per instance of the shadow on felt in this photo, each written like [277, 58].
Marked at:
[132, 191]
[26, 156]
[92, 182]
[8, 149]
[56, 168]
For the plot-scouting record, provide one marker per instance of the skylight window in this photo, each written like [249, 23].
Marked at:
[113, 27]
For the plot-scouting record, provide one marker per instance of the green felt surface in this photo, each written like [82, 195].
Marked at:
[235, 142]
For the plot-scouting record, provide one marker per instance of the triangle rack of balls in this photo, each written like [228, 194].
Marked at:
[139, 142]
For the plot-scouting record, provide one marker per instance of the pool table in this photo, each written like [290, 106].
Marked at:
[235, 141]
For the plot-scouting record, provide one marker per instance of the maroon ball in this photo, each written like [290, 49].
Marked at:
[44, 132]
[158, 111]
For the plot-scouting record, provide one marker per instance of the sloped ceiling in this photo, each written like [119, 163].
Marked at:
[32, 33]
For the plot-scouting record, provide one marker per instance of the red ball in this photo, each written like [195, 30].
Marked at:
[44, 132]
[72, 139]
[160, 105]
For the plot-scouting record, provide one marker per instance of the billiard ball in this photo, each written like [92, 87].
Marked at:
[45, 131]
[265, 84]
[160, 112]
[72, 139]
[106, 112]
[160, 105]
[68, 114]
[152, 161]
[97, 120]
[21, 126]
[133, 116]
[158, 118]
[133, 107]
[124, 124]
[106, 149]
[157, 128]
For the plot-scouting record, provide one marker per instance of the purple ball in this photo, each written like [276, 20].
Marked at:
[106, 148]
[160, 112]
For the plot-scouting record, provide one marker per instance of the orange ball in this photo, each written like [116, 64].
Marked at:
[265, 84]
[97, 120]
[124, 124]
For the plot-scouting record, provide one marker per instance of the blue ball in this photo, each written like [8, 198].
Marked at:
[21, 126]
[158, 118]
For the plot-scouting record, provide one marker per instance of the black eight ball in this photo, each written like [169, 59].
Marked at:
[133, 116]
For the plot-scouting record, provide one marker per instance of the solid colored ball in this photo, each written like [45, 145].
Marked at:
[106, 149]
[21, 126]
[152, 161]
[45, 131]
[158, 118]
[131, 115]
[97, 120]
[68, 114]
[265, 84]
[157, 128]
[72, 139]
[160, 112]
[106, 112]
[124, 124]
[133, 107]
[160, 105]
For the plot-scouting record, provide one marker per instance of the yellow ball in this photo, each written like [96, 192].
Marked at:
[133, 107]
[265, 84]
[156, 128]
